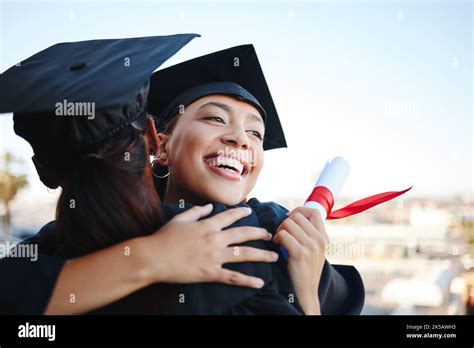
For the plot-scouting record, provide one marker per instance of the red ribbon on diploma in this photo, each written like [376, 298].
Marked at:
[324, 197]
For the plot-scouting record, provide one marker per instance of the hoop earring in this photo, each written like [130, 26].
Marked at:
[153, 165]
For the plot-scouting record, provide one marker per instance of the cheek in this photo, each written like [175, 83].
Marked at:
[185, 149]
[259, 160]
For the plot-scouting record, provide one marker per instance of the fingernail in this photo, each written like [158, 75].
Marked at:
[275, 256]
[270, 236]
[258, 283]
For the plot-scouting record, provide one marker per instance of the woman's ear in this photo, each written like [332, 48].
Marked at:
[152, 136]
[158, 143]
[162, 151]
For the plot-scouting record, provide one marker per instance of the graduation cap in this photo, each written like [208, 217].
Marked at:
[233, 72]
[74, 94]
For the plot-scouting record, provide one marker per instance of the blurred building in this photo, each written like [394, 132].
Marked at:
[412, 256]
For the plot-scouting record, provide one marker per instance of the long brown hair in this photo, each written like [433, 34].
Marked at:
[106, 199]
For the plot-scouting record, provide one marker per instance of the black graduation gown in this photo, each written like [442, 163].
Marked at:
[28, 285]
[341, 289]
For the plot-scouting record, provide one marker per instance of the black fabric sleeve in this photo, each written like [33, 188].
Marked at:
[29, 282]
[28, 285]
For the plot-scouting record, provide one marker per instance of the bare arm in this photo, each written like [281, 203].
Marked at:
[185, 251]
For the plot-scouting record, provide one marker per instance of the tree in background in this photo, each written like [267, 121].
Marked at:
[10, 185]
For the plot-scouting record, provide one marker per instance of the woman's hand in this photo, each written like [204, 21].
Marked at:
[303, 234]
[189, 251]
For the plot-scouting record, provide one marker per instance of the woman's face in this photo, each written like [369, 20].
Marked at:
[214, 152]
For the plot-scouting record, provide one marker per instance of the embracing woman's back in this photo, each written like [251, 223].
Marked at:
[108, 198]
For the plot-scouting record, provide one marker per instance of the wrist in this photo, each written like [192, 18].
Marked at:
[142, 265]
[309, 302]
[311, 306]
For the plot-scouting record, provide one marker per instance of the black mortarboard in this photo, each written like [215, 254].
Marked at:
[235, 72]
[110, 77]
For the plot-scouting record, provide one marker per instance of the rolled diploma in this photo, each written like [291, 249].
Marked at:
[333, 176]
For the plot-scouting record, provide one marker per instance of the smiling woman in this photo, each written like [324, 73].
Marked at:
[210, 121]
[108, 199]
[207, 151]
[108, 209]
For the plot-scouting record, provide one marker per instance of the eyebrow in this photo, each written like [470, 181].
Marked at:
[256, 118]
[229, 110]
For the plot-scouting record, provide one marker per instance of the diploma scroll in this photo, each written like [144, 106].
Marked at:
[329, 183]
[327, 189]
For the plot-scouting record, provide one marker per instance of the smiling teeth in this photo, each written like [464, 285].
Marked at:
[217, 161]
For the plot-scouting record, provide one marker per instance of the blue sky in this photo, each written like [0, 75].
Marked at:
[388, 85]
